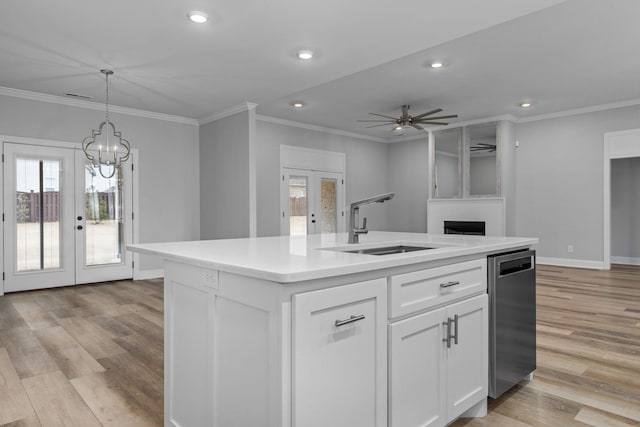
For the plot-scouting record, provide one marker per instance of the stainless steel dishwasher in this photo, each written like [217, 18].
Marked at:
[512, 319]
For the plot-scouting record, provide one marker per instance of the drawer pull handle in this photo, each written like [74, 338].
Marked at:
[449, 284]
[349, 320]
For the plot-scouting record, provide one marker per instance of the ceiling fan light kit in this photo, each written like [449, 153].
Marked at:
[407, 120]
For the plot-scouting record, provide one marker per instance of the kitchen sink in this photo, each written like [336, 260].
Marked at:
[388, 250]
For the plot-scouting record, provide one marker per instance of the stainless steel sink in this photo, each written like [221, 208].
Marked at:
[388, 250]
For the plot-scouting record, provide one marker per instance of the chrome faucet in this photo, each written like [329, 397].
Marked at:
[354, 229]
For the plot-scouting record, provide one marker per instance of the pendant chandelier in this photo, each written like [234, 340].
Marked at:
[112, 148]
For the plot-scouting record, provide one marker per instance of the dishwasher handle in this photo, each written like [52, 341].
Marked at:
[515, 266]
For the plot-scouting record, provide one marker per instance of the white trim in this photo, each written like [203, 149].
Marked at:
[300, 125]
[617, 145]
[576, 111]
[38, 141]
[244, 106]
[148, 274]
[135, 206]
[35, 96]
[568, 262]
[253, 184]
[625, 260]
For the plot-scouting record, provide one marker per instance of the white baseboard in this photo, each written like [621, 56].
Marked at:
[625, 260]
[569, 262]
[148, 274]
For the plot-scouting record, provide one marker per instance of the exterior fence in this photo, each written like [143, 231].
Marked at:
[28, 206]
[297, 206]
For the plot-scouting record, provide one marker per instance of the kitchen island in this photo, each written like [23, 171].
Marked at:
[303, 331]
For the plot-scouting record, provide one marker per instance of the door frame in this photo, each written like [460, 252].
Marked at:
[72, 145]
[292, 157]
[617, 145]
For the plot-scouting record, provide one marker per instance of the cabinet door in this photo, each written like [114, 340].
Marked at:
[340, 370]
[467, 360]
[416, 371]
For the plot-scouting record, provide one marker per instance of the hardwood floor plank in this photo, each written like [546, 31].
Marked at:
[589, 397]
[597, 418]
[14, 402]
[24, 422]
[29, 358]
[57, 403]
[93, 338]
[34, 315]
[110, 404]
[9, 316]
[153, 316]
[72, 359]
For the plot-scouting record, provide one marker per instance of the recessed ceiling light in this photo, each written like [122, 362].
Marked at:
[436, 64]
[198, 17]
[297, 104]
[305, 54]
[525, 105]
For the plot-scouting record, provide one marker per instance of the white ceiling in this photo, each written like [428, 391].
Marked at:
[370, 56]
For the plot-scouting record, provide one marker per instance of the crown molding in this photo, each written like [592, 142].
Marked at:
[307, 126]
[585, 110]
[244, 106]
[54, 99]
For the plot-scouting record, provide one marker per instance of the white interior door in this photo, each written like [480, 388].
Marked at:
[38, 217]
[312, 202]
[64, 223]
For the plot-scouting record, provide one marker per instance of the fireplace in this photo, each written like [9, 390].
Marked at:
[475, 228]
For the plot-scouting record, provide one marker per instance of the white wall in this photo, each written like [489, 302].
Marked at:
[625, 210]
[559, 182]
[225, 177]
[167, 168]
[366, 171]
[408, 179]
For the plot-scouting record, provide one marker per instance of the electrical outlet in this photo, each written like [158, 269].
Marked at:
[570, 249]
[211, 279]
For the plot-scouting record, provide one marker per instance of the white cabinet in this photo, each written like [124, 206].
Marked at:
[339, 356]
[433, 376]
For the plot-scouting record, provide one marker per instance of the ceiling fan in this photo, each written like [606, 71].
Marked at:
[407, 120]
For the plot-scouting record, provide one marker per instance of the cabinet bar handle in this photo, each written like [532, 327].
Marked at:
[449, 284]
[349, 320]
[448, 338]
[455, 330]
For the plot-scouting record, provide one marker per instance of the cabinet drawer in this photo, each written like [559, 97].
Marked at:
[420, 290]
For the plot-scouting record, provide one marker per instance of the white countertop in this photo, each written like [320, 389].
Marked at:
[291, 259]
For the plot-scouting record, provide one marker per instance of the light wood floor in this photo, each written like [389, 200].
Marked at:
[92, 354]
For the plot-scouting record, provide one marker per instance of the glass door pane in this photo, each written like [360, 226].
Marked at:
[298, 205]
[328, 206]
[104, 235]
[37, 213]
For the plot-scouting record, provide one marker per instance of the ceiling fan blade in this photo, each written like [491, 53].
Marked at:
[434, 123]
[375, 126]
[405, 111]
[428, 113]
[415, 126]
[386, 121]
[453, 116]
[382, 115]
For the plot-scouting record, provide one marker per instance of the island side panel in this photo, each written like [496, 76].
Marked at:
[224, 340]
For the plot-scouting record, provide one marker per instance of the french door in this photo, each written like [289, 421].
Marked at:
[312, 202]
[64, 223]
